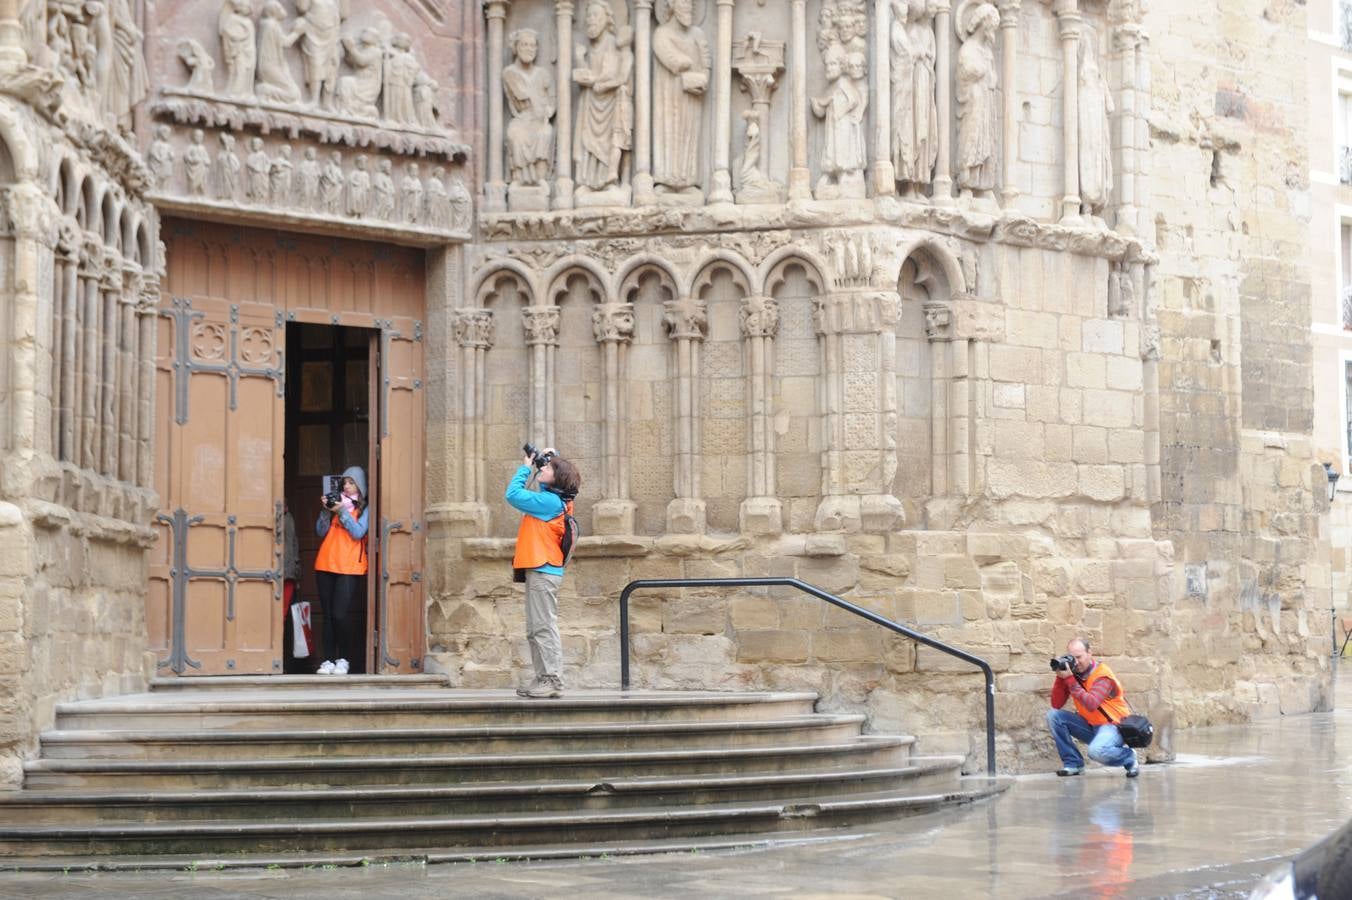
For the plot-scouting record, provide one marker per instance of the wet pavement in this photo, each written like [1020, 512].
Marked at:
[1237, 800]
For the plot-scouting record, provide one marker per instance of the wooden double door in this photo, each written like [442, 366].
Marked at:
[214, 604]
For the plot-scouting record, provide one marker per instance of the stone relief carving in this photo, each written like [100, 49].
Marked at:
[358, 92]
[1096, 110]
[257, 168]
[129, 78]
[98, 43]
[759, 316]
[197, 164]
[915, 113]
[160, 156]
[239, 48]
[473, 327]
[317, 27]
[438, 200]
[310, 171]
[411, 194]
[759, 63]
[844, 106]
[613, 322]
[462, 205]
[228, 168]
[529, 90]
[382, 191]
[541, 324]
[680, 79]
[280, 176]
[603, 135]
[331, 182]
[976, 22]
[200, 66]
[688, 319]
[401, 71]
[275, 81]
[358, 187]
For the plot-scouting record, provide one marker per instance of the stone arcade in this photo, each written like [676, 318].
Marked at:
[913, 314]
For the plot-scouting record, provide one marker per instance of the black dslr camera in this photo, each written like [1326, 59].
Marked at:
[540, 459]
[1063, 663]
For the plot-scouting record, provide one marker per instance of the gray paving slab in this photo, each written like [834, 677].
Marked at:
[1238, 800]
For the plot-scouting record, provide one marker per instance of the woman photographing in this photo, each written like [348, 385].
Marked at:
[339, 570]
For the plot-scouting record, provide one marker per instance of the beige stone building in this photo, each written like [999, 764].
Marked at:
[988, 317]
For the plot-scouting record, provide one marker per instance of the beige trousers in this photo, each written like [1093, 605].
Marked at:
[542, 623]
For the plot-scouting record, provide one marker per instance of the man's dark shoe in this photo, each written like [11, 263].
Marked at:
[1069, 770]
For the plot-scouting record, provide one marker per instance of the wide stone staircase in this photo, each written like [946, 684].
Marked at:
[302, 770]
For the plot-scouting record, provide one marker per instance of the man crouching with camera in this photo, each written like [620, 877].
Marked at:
[1099, 703]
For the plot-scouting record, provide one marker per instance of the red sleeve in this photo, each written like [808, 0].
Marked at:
[1059, 693]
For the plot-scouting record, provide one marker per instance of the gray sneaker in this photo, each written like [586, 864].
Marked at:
[525, 689]
[546, 686]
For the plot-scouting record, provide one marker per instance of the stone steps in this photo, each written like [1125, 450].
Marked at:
[314, 765]
[594, 737]
[236, 683]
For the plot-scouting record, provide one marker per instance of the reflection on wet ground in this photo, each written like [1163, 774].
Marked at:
[1238, 799]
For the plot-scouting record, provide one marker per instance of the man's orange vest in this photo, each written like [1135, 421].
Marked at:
[539, 542]
[341, 552]
[1115, 706]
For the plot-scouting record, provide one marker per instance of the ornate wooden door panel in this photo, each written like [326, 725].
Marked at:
[399, 588]
[218, 567]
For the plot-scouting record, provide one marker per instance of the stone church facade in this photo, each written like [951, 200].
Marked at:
[984, 316]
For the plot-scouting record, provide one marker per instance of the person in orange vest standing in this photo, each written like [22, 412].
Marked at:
[1099, 703]
[339, 570]
[540, 557]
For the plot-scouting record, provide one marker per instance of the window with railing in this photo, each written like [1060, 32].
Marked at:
[1345, 164]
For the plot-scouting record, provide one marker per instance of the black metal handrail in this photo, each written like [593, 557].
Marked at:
[820, 595]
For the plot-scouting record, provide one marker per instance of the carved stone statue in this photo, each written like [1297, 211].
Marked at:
[275, 81]
[411, 194]
[401, 71]
[129, 80]
[915, 114]
[197, 164]
[318, 25]
[438, 200]
[358, 92]
[425, 100]
[258, 168]
[310, 170]
[842, 110]
[680, 79]
[331, 183]
[238, 48]
[199, 63]
[1096, 110]
[382, 191]
[975, 81]
[604, 132]
[358, 187]
[160, 156]
[279, 176]
[227, 169]
[462, 205]
[530, 96]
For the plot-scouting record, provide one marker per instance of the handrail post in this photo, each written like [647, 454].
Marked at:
[624, 635]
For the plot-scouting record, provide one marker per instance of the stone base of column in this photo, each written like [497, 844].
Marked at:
[495, 197]
[685, 515]
[881, 513]
[528, 197]
[884, 179]
[460, 519]
[619, 195]
[943, 192]
[645, 191]
[800, 184]
[1126, 220]
[563, 193]
[721, 191]
[613, 517]
[761, 515]
[838, 513]
[1070, 211]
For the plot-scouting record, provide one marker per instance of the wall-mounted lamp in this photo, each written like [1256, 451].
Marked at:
[1333, 477]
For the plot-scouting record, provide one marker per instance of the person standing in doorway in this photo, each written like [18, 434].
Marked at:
[339, 570]
[539, 554]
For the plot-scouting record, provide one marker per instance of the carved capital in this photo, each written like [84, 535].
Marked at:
[473, 328]
[852, 258]
[32, 213]
[855, 312]
[563, 8]
[759, 85]
[496, 9]
[613, 322]
[686, 319]
[759, 317]
[68, 240]
[1009, 13]
[91, 255]
[541, 324]
[643, 5]
[1150, 341]
[938, 322]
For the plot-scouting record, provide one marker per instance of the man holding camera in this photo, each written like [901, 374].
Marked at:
[1099, 703]
[539, 556]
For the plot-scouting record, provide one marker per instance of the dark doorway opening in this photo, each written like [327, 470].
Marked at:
[329, 399]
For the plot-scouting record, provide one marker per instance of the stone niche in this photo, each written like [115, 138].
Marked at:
[308, 111]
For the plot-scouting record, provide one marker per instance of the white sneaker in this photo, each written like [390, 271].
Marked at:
[340, 667]
[325, 668]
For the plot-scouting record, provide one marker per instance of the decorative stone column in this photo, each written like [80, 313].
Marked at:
[800, 177]
[1128, 40]
[884, 172]
[687, 322]
[943, 94]
[64, 362]
[1145, 223]
[1009, 61]
[1068, 20]
[563, 118]
[951, 374]
[761, 511]
[857, 330]
[613, 328]
[31, 214]
[721, 190]
[644, 190]
[127, 372]
[759, 64]
[473, 330]
[12, 53]
[542, 338]
[91, 266]
[495, 190]
[110, 286]
[146, 315]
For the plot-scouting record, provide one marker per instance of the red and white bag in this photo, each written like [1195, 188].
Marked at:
[301, 639]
